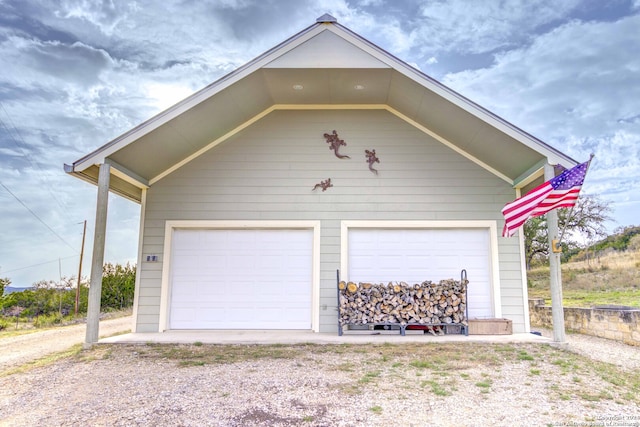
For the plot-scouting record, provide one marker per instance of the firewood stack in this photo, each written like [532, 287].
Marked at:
[425, 303]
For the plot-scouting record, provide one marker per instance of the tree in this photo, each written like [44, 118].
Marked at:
[118, 286]
[44, 298]
[4, 282]
[586, 219]
[536, 245]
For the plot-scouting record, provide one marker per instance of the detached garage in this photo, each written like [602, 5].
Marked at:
[325, 153]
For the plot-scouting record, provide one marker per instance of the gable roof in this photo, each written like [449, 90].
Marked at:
[325, 66]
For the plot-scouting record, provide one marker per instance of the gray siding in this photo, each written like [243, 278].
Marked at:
[267, 171]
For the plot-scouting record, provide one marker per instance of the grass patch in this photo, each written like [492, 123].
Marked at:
[346, 367]
[422, 368]
[49, 359]
[436, 388]
[423, 364]
[484, 386]
[566, 364]
[369, 376]
[611, 279]
[523, 355]
[376, 409]
[198, 355]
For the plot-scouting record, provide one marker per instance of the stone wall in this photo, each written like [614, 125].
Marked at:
[620, 324]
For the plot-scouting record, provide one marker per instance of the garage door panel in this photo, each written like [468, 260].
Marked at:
[241, 279]
[415, 255]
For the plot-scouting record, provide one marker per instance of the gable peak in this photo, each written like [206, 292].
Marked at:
[326, 18]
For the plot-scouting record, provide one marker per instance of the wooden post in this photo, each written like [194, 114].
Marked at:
[97, 261]
[557, 311]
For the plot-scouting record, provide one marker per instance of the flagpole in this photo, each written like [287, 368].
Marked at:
[555, 272]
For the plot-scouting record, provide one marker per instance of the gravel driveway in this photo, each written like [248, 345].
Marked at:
[18, 350]
[330, 385]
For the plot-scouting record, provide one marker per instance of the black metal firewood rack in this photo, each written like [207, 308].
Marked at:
[461, 327]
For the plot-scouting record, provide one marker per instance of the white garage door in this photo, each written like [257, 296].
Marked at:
[416, 255]
[241, 279]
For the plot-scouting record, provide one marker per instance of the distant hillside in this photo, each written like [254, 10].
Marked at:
[10, 289]
[604, 277]
[618, 241]
[622, 240]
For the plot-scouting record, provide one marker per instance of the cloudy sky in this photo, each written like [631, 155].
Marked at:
[75, 74]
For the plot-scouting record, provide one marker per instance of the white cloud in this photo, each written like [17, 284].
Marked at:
[577, 88]
[476, 27]
[579, 79]
[105, 15]
[166, 95]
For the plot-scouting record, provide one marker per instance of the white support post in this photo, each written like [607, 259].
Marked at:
[557, 311]
[97, 261]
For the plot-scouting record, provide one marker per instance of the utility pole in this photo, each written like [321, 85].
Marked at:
[84, 233]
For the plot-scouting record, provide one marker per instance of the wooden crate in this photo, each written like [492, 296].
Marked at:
[490, 327]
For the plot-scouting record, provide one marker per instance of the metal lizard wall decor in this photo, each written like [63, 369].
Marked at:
[334, 144]
[323, 184]
[371, 159]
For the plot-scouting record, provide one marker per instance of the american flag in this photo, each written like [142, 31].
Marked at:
[559, 192]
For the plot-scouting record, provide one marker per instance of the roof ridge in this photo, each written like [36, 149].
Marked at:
[326, 18]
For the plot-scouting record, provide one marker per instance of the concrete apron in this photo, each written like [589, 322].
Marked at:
[309, 337]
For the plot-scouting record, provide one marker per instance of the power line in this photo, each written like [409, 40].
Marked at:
[22, 145]
[37, 265]
[37, 217]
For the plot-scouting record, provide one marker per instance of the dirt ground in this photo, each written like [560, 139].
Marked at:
[586, 382]
[18, 350]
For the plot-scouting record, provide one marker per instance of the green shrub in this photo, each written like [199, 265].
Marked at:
[45, 320]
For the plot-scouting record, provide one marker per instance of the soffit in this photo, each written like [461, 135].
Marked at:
[181, 137]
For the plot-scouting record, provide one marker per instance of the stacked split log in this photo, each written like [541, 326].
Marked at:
[426, 303]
